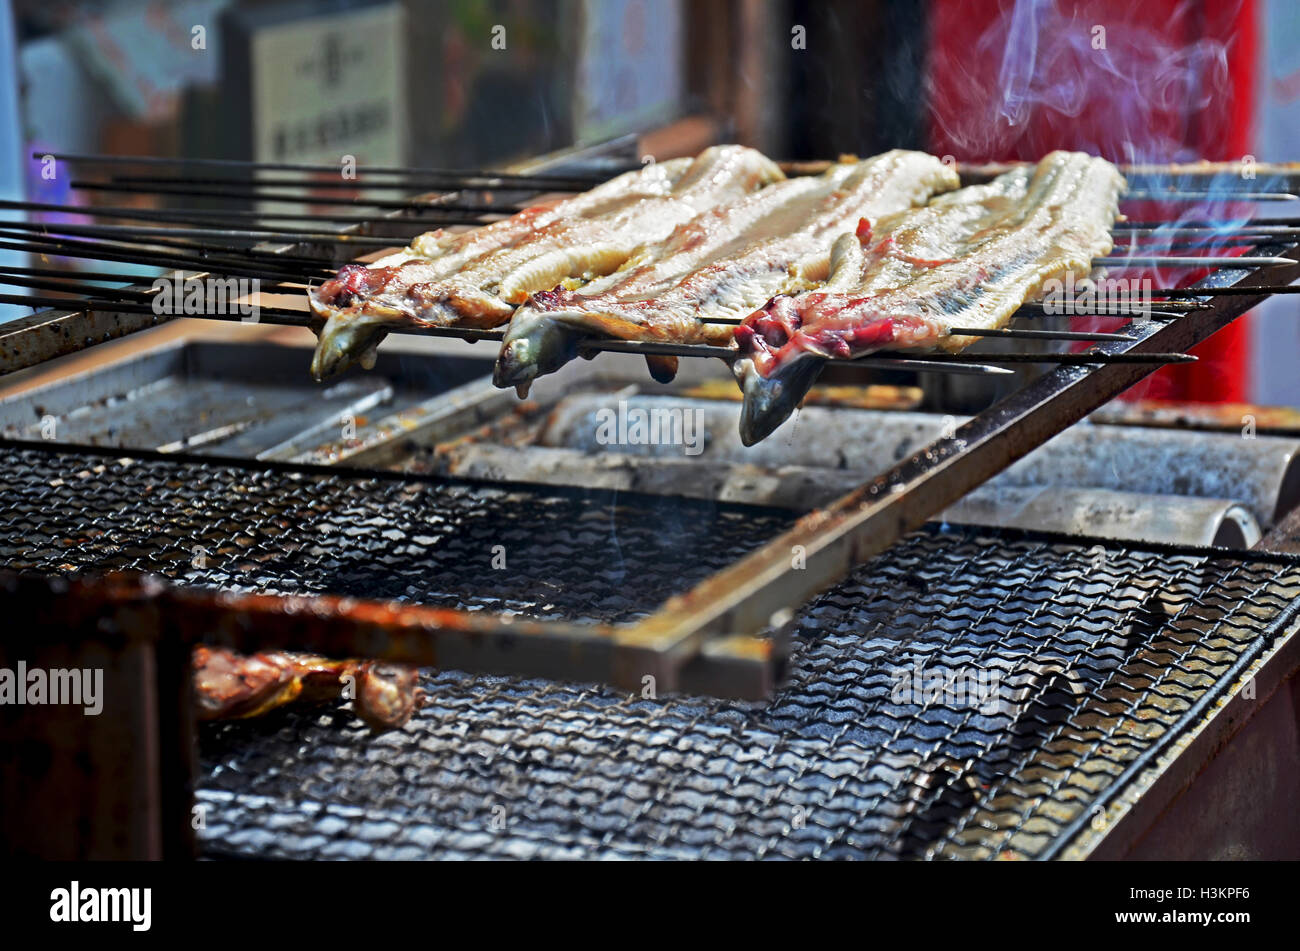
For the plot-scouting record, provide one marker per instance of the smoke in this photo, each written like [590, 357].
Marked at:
[1137, 83]
[1129, 84]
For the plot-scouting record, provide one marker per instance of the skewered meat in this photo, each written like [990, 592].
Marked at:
[235, 686]
[477, 280]
[344, 304]
[724, 263]
[969, 259]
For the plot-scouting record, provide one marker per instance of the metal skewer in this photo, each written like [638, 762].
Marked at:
[270, 315]
[655, 348]
[1013, 332]
[1071, 309]
[579, 181]
[1223, 195]
[256, 235]
[110, 277]
[415, 216]
[169, 259]
[415, 201]
[1235, 290]
[1191, 261]
[1142, 229]
[414, 183]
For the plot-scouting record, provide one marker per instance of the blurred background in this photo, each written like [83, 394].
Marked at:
[476, 83]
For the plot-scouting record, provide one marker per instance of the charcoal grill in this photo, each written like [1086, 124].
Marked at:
[649, 674]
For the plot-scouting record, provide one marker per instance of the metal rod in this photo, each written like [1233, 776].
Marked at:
[1130, 246]
[259, 235]
[656, 348]
[1022, 334]
[53, 233]
[1219, 224]
[129, 279]
[270, 315]
[1142, 229]
[490, 176]
[1236, 290]
[271, 259]
[910, 365]
[1087, 358]
[930, 363]
[416, 215]
[1191, 261]
[111, 276]
[271, 263]
[72, 287]
[1223, 196]
[415, 201]
[162, 259]
[1039, 308]
[983, 332]
[415, 183]
[68, 284]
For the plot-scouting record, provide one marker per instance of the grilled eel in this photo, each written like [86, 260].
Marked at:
[969, 259]
[236, 686]
[476, 279]
[723, 264]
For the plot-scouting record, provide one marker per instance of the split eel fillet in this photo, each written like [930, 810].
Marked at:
[723, 264]
[969, 259]
[476, 279]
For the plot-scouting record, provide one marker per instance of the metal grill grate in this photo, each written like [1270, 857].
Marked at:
[1102, 653]
[580, 555]
[1093, 657]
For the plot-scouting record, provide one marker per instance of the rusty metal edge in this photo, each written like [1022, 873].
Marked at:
[407, 633]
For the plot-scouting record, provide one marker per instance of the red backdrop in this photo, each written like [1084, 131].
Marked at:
[1161, 81]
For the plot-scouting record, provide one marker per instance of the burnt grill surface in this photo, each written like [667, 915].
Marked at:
[1102, 654]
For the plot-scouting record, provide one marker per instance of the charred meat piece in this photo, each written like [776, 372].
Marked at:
[478, 281]
[724, 263]
[969, 259]
[229, 685]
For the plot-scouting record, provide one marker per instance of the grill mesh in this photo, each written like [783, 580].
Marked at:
[1062, 664]
[1101, 653]
[547, 553]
